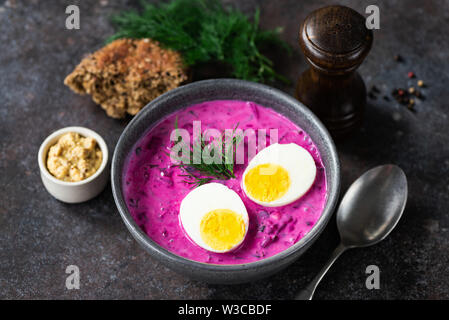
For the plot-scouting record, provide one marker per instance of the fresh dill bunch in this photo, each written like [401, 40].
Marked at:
[200, 173]
[194, 179]
[204, 31]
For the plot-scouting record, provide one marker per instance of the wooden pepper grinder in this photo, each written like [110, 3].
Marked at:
[335, 41]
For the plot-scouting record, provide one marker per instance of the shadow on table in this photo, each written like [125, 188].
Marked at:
[380, 136]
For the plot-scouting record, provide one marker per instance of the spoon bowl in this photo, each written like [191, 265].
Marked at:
[372, 206]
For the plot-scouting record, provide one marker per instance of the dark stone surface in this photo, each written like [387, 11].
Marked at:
[40, 237]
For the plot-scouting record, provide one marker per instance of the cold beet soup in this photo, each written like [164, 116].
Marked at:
[154, 186]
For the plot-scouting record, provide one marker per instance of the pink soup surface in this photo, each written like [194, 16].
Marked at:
[154, 188]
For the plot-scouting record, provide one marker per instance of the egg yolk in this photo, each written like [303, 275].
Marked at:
[267, 182]
[222, 229]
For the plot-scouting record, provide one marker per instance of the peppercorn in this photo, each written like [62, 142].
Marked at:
[419, 95]
[398, 58]
[411, 104]
[420, 83]
[411, 75]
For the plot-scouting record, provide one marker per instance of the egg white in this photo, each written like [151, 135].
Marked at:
[204, 199]
[296, 160]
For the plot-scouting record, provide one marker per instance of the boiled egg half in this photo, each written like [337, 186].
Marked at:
[214, 217]
[279, 174]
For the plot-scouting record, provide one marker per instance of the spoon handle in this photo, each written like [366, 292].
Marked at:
[307, 293]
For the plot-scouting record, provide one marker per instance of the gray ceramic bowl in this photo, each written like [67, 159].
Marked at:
[230, 89]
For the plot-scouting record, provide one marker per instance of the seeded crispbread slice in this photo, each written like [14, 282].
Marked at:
[126, 74]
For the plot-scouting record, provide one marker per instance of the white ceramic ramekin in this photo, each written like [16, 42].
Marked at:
[80, 191]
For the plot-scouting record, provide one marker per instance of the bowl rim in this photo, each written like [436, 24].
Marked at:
[52, 138]
[152, 247]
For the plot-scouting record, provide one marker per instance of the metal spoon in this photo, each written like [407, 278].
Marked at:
[369, 211]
